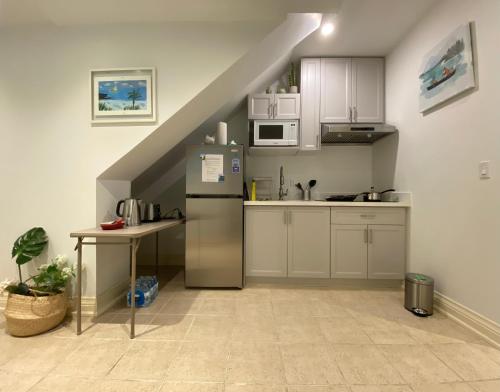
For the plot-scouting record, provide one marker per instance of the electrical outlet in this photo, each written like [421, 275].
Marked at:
[484, 169]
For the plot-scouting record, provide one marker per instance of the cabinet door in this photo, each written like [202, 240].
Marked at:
[309, 242]
[368, 90]
[386, 251]
[335, 90]
[265, 241]
[349, 251]
[287, 106]
[310, 90]
[260, 106]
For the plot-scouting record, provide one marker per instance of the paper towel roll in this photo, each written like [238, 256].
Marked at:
[222, 133]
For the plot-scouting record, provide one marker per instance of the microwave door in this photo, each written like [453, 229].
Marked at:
[270, 134]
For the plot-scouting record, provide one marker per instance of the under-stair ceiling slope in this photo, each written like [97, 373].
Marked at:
[365, 28]
[219, 98]
[171, 167]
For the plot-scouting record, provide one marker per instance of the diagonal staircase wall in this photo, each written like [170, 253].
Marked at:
[224, 89]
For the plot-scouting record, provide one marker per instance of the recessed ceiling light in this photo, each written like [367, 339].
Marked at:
[327, 28]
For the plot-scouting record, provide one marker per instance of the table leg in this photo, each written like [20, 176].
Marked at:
[135, 247]
[79, 288]
[156, 255]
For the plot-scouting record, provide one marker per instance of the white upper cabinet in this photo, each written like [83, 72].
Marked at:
[309, 242]
[260, 106]
[336, 88]
[368, 90]
[274, 106]
[352, 90]
[310, 89]
[286, 106]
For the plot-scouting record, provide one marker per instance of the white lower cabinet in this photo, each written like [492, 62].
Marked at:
[319, 242]
[266, 241]
[348, 253]
[292, 242]
[386, 251]
[368, 251]
[309, 242]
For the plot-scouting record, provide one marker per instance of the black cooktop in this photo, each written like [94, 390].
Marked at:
[341, 198]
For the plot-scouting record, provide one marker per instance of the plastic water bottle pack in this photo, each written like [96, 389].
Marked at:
[146, 290]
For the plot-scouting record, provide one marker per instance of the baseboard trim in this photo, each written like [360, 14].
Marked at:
[111, 296]
[326, 282]
[3, 300]
[470, 319]
[88, 305]
[91, 306]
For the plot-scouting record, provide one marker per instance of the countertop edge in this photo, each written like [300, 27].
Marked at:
[319, 203]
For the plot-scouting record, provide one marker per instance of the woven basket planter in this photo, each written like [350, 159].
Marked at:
[27, 316]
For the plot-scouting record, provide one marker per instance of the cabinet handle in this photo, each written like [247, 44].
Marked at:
[355, 114]
[269, 108]
[370, 236]
[367, 216]
[366, 235]
[318, 142]
[284, 217]
[350, 114]
[289, 217]
[275, 110]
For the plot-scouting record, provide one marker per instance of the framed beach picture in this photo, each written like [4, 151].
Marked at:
[447, 70]
[124, 95]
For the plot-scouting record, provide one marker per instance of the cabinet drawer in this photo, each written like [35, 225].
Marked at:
[362, 215]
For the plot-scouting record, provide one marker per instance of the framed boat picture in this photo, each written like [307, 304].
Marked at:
[126, 95]
[447, 70]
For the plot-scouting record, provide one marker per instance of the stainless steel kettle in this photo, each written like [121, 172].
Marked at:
[131, 211]
[152, 213]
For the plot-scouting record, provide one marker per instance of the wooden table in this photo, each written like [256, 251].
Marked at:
[134, 235]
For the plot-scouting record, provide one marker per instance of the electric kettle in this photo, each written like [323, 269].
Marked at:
[131, 211]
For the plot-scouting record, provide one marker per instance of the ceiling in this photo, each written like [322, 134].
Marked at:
[91, 12]
[365, 28]
[362, 27]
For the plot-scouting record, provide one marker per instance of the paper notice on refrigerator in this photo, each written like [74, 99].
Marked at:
[212, 168]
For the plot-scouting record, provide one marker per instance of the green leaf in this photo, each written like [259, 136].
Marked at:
[29, 245]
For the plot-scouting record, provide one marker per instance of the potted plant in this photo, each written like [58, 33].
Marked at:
[292, 79]
[39, 303]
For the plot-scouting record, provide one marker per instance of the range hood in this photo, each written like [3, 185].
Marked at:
[354, 133]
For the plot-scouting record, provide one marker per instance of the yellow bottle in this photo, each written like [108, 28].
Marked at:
[254, 191]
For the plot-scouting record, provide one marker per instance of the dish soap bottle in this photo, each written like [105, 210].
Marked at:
[254, 191]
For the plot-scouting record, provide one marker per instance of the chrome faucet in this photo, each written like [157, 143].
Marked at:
[282, 192]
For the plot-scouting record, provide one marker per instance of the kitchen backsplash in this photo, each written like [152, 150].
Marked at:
[337, 169]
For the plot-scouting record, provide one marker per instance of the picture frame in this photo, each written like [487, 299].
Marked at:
[123, 95]
[447, 70]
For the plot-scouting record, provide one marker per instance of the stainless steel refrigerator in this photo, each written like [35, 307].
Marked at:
[214, 216]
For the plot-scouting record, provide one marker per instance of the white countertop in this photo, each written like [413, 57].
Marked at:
[320, 203]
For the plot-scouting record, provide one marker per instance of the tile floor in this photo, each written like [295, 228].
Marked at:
[260, 339]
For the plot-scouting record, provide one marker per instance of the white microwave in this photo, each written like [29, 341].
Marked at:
[275, 133]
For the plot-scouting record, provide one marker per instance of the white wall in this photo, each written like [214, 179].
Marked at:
[337, 169]
[455, 216]
[50, 156]
[112, 267]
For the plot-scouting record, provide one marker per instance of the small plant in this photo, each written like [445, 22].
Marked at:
[52, 277]
[28, 246]
[292, 76]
